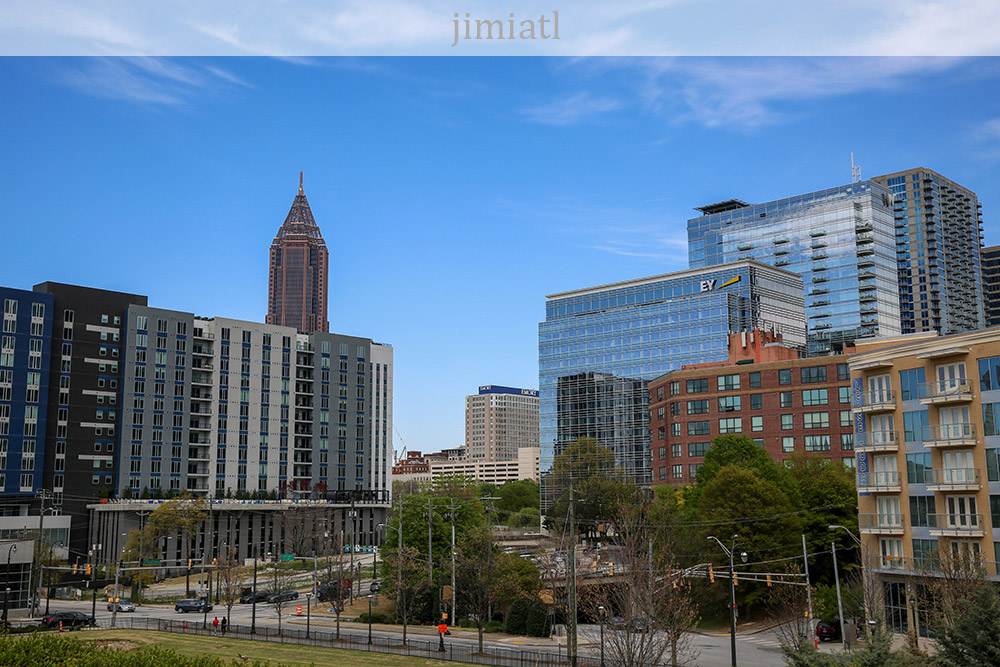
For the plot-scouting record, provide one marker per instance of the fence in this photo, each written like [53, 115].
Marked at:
[354, 641]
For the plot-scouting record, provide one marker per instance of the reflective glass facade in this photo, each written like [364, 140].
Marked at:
[839, 240]
[640, 329]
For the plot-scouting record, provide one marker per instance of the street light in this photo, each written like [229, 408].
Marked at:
[308, 612]
[732, 590]
[253, 600]
[600, 617]
[864, 577]
[369, 619]
[13, 548]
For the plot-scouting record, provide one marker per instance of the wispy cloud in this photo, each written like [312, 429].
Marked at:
[572, 109]
[156, 81]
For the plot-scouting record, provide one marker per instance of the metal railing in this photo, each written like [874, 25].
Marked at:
[352, 640]
[944, 434]
[956, 523]
[944, 390]
[878, 522]
[878, 398]
[875, 480]
[960, 478]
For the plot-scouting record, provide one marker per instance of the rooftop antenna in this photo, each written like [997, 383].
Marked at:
[855, 170]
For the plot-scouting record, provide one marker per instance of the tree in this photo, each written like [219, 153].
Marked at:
[178, 517]
[515, 496]
[478, 575]
[970, 635]
[526, 517]
[597, 484]
[405, 579]
[231, 579]
[281, 580]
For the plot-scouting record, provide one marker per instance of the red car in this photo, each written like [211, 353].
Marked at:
[828, 631]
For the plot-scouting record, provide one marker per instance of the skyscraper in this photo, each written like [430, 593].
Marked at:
[839, 240]
[299, 271]
[499, 421]
[991, 284]
[938, 240]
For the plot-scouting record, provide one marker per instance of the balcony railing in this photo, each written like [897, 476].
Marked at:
[886, 481]
[881, 523]
[949, 435]
[956, 525]
[878, 441]
[945, 391]
[878, 400]
[953, 479]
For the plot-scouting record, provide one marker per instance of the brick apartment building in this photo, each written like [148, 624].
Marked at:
[788, 405]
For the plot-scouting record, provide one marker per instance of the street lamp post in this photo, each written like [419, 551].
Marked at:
[840, 606]
[308, 612]
[600, 618]
[6, 594]
[93, 585]
[864, 576]
[253, 600]
[732, 591]
[369, 619]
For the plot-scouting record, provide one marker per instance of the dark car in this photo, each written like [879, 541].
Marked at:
[123, 606]
[69, 619]
[375, 586]
[199, 606]
[282, 596]
[249, 597]
[828, 631]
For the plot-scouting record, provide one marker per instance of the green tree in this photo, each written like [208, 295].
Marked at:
[515, 496]
[971, 638]
[179, 517]
[597, 485]
[741, 451]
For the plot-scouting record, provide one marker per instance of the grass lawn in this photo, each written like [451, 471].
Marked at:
[285, 654]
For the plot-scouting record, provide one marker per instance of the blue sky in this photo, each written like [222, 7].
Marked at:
[454, 194]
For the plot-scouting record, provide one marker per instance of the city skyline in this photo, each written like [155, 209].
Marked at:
[591, 177]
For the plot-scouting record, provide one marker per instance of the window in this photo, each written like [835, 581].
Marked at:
[814, 374]
[918, 467]
[731, 425]
[697, 386]
[787, 422]
[920, 507]
[989, 373]
[843, 372]
[925, 552]
[991, 418]
[846, 441]
[817, 443]
[755, 380]
[993, 465]
[663, 453]
[909, 383]
[785, 376]
[698, 448]
[995, 511]
[675, 408]
[728, 382]
[675, 387]
[844, 394]
[846, 419]
[697, 407]
[816, 420]
[756, 401]
[677, 450]
[785, 399]
[659, 393]
[814, 397]
[661, 433]
[757, 423]
[699, 428]
[788, 444]
[693, 470]
[729, 403]
[914, 425]
[678, 471]
[675, 430]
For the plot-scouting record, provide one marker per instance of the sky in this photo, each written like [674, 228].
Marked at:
[453, 194]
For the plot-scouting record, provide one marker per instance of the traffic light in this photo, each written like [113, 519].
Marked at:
[768, 580]
[711, 574]
[190, 560]
[736, 580]
[74, 568]
[215, 561]
[88, 569]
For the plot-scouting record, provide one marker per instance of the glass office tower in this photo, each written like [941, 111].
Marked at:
[839, 240]
[939, 229]
[638, 330]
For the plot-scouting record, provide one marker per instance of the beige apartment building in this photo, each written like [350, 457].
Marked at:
[499, 421]
[927, 436]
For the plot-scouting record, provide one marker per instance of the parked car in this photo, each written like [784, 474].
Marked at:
[828, 631]
[249, 597]
[282, 596]
[69, 619]
[123, 606]
[375, 586]
[199, 606]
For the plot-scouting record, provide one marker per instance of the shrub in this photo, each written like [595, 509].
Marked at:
[377, 617]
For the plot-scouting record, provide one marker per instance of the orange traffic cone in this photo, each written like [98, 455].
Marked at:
[298, 612]
[60, 626]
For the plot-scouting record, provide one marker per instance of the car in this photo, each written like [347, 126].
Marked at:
[375, 586]
[282, 596]
[69, 619]
[828, 631]
[199, 606]
[123, 606]
[249, 597]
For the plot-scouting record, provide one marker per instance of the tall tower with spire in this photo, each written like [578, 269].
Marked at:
[299, 271]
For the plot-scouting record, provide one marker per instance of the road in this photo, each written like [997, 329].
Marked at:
[756, 650]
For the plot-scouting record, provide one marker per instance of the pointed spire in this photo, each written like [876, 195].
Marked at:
[300, 182]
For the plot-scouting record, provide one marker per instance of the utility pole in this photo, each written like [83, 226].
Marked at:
[353, 514]
[41, 536]
[809, 597]
[430, 541]
[454, 594]
[840, 606]
[571, 584]
[138, 592]
[115, 596]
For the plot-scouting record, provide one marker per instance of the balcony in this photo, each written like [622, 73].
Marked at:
[956, 525]
[877, 441]
[864, 262]
[949, 435]
[881, 524]
[926, 565]
[879, 482]
[879, 400]
[954, 479]
[940, 392]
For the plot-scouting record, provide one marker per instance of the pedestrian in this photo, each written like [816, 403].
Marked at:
[215, 626]
[225, 624]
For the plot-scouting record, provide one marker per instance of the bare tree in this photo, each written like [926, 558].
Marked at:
[231, 579]
[478, 576]
[791, 605]
[646, 608]
[407, 583]
[281, 581]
